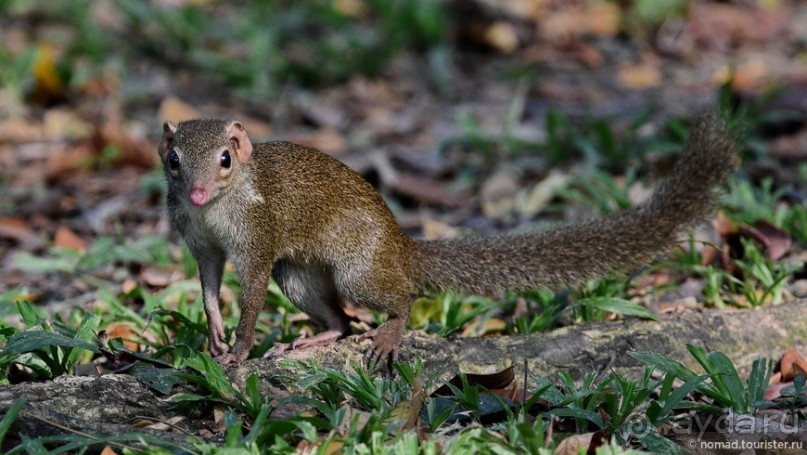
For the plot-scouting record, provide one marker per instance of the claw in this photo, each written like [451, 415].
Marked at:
[386, 340]
[217, 346]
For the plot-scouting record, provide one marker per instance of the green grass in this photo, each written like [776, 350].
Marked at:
[255, 48]
[362, 411]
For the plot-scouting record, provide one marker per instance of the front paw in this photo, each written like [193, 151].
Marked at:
[217, 346]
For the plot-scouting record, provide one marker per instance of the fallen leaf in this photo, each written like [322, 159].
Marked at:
[532, 202]
[128, 285]
[258, 130]
[713, 252]
[351, 8]
[17, 229]
[176, 110]
[751, 77]
[791, 147]
[48, 85]
[498, 380]
[65, 159]
[502, 36]
[166, 425]
[497, 195]
[677, 306]
[18, 130]
[640, 76]
[66, 238]
[725, 26]
[602, 18]
[489, 326]
[133, 150]
[65, 125]
[435, 230]
[792, 364]
[774, 391]
[574, 444]
[425, 190]
[125, 331]
[108, 451]
[325, 139]
[777, 242]
[589, 55]
[522, 9]
[159, 277]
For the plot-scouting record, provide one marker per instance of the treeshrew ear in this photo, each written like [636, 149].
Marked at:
[239, 141]
[168, 137]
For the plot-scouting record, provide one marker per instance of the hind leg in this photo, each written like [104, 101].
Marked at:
[395, 300]
[311, 288]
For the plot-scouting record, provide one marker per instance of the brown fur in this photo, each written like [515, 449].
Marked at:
[327, 236]
[573, 253]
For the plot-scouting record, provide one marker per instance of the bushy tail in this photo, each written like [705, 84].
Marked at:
[568, 254]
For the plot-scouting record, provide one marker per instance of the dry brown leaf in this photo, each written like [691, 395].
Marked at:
[66, 238]
[218, 416]
[497, 195]
[590, 55]
[163, 425]
[258, 130]
[159, 277]
[724, 26]
[176, 110]
[19, 130]
[477, 328]
[774, 391]
[499, 380]
[125, 331]
[128, 285]
[678, 306]
[435, 230]
[602, 18]
[351, 8]
[108, 451]
[578, 443]
[133, 150]
[777, 242]
[640, 76]
[325, 139]
[334, 446]
[750, 77]
[792, 364]
[562, 25]
[15, 228]
[65, 125]
[425, 190]
[63, 160]
[713, 253]
[502, 36]
[792, 147]
[532, 202]
[573, 21]
[521, 9]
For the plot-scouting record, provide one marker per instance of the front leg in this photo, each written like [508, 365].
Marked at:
[254, 282]
[211, 268]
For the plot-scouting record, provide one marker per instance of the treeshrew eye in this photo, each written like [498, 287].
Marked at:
[173, 160]
[225, 160]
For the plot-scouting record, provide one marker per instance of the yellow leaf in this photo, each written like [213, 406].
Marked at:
[46, 79]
